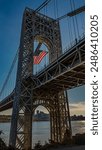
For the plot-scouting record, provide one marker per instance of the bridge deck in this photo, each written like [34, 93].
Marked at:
[67, 72]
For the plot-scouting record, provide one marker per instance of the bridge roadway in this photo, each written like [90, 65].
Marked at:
[67, 72]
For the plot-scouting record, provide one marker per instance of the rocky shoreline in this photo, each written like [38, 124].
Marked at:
[77, 143]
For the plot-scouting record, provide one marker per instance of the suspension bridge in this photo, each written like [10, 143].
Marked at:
[35, 84]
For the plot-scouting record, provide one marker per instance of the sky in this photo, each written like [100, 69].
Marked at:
[11, 12]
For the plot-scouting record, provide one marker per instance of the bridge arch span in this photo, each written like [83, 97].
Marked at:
[43, 39]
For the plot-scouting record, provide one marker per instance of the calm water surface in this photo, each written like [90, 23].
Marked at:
[41, 130]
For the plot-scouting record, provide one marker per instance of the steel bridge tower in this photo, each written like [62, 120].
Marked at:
[36, 26]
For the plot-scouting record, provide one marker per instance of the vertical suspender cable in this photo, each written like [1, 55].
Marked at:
[83, 22]
[69, 31]
[73, 20]
[76, 19]
[55, 9]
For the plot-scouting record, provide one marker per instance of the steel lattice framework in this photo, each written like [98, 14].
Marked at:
[36, 26]
[66, 72]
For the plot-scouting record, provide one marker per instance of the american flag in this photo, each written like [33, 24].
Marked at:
[39, 55]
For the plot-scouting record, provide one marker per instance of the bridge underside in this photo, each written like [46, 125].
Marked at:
[71, 79]
[65, 73]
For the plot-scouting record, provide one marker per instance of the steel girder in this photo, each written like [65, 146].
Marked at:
[68, 78]
[67, 71]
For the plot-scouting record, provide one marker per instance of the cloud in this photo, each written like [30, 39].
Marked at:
[77, 108]
[6, 112]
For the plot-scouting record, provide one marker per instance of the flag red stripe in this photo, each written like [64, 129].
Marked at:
[38, 59]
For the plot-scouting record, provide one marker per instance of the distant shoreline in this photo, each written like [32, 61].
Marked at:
[41, 117]
[36, 121]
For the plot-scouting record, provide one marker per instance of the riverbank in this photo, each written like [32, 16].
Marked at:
[76, 143]
[63, 147]
[2, 145]
[82, 147]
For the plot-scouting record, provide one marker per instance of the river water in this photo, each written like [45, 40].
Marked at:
[41, 130]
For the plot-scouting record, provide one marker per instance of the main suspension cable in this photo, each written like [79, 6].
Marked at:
[71, 14]
[10, 71]
[42, 5]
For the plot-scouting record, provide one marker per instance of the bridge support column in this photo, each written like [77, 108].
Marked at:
[27, 130]
[21, 125]
[35, 26]
[60, 119]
